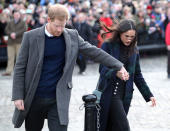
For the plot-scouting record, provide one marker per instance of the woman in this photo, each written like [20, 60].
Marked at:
[117, 94]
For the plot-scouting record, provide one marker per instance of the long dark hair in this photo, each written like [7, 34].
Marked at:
[120, 27]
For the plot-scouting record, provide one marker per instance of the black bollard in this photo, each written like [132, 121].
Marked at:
[90, 110]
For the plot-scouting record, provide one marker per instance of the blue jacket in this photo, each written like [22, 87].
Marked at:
[43, 2]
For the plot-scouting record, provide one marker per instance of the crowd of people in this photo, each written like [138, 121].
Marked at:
[88, 16]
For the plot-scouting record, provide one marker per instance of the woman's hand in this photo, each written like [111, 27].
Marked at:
[153, 100]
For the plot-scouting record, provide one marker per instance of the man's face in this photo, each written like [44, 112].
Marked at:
[82, 17]
[17, 16]
[56, 27]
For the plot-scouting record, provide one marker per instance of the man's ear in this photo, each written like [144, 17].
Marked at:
[48, 19]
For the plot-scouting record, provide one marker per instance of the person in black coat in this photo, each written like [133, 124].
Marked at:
[3, 24]
[117, 94]
[85, 31]
[41, 21]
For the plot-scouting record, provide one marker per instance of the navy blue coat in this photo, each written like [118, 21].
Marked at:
[108, 80]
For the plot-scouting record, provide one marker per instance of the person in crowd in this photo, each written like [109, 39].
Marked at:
[167, 40]
[42, 80]
[154, 31]
[168, 4]
[41, 22]
[85, 31]
[159, 15]
[149, 11]
[21, 5]
[117, 94]
[10, 1]
[3, 23]
[142, 32]
[167, 17]
[37, 13]
[130, 4]
[96, 30]
[46, 2]
[34, 1]
[15, 30]
[104, 19]
[126, 13]
[29, 21]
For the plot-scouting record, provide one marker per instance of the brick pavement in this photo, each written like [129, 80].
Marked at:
[141, 116]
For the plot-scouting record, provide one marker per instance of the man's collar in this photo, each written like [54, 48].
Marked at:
[48, 33]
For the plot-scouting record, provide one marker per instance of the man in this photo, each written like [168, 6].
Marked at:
[43, 73]
[15, 30]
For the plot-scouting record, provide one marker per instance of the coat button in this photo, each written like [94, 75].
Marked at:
[117, 83]
[114, 93]
[115, 90]
[116, 87]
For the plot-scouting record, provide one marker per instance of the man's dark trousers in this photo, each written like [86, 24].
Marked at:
[41, 109]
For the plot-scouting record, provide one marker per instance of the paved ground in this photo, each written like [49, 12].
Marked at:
[142, 117]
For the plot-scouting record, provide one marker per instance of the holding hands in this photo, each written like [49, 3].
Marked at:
[123, 74]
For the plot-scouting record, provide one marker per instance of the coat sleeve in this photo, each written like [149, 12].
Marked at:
[103, 70]
[98, 55]
[19, 70]
[140, 82]
[8, 28]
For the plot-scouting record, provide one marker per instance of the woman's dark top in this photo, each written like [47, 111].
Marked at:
[119, 90]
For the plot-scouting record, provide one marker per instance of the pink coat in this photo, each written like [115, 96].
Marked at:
[167, 34]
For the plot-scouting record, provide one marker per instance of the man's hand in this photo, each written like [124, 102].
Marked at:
[123, 74]
[13, 35]
[19, 104]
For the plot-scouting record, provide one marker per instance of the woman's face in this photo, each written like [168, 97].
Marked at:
[127, 37]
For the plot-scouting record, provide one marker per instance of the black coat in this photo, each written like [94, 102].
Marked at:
[2, 29]
[109, 80]
[84, 30]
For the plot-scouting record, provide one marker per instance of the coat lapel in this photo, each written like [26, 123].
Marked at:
[131, 70]
[41, 43]
[41, 46]
[68, 49]
[131, 66]
[116, 51]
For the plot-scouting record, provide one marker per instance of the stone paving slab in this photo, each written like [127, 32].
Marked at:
[141, 116]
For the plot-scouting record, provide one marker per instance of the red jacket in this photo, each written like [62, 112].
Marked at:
[167, 34]
[108, 22]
